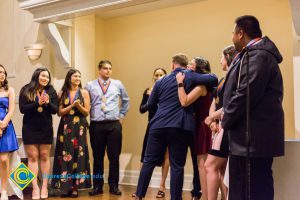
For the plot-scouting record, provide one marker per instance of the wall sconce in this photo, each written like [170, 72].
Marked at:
[34, 51]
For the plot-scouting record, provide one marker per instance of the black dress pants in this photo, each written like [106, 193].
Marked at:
[159, 139]
[106, 135]
[261, 178]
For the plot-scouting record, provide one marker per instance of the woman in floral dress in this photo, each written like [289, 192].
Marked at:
[71, 168]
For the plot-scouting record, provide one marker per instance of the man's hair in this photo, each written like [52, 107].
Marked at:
[250, 25]
[180, 59]
[102, 62]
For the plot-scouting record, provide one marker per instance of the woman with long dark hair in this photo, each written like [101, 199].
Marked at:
[71, 153]
[8, 140]
[202, 100]
[158, 73]
[215, 164]
[38, 102]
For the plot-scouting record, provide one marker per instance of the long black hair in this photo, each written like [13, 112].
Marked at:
[5, 82]
[67, 85]
[229, 53]
[29, 92]
[202, 65]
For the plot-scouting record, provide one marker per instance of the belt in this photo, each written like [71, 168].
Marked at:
[104, 121]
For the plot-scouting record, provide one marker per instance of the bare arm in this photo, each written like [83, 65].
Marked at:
[188, 99]
[11, 107]
[61, 110]
[213, 114]
[216, 114]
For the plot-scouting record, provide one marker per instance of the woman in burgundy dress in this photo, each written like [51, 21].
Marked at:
[202, 100]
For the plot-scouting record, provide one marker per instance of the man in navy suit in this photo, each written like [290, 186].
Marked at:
[171, 125]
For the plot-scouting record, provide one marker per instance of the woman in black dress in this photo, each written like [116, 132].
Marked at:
[215, 164]
[157, 74]
[71, 152]
[38, 102]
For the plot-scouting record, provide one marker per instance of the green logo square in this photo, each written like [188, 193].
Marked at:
[22, 176]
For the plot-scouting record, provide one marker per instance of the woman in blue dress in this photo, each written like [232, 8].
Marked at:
[8, 140]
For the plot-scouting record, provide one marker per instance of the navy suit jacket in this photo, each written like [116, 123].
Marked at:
[164, 98]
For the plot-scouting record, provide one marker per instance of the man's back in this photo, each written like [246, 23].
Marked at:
[170, 113]
[266, 112]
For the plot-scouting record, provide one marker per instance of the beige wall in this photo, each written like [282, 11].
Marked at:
[85, 47]
[100, 42]
[296, 54]
[137, 44]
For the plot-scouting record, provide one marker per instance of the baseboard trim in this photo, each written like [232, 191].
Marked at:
[130, 177]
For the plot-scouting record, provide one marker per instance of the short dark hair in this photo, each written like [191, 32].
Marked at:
[202, 65]
[250, 25]
[102, 62]
[180, 59]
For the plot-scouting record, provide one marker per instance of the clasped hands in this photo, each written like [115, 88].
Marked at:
[44, 99]
[76, 103]
[212, 124]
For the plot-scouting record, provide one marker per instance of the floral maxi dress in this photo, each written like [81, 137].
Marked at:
[71, 167]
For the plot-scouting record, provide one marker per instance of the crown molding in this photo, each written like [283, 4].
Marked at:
[295, 8]
[45, 11]
[29, 4]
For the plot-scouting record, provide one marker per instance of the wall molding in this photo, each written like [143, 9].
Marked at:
[130, 177]
[57, 10]
[295, 8]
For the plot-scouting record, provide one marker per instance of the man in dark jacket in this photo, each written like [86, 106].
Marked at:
[171, 125]
[265, 138]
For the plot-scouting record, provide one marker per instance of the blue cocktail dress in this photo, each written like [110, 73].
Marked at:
[8, 141]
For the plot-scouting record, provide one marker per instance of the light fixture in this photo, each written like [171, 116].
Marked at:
[34, 51]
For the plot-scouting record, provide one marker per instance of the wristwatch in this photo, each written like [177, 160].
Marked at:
[180, 85]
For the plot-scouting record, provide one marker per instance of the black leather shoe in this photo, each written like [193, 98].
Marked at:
[66, 194]
[96, 191]
[115, 190]
[196, 195]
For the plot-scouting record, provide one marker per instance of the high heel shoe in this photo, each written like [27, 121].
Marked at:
[4, 195]
[36, 194]
[44, 195]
